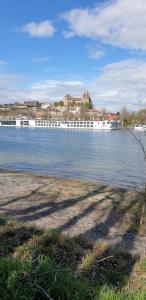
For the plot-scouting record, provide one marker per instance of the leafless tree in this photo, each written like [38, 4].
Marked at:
[140, 142]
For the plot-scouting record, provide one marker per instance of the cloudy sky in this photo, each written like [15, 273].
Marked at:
[50, 48]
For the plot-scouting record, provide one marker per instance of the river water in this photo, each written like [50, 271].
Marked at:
[112, 157]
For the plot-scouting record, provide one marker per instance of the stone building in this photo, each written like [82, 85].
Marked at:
[31, 103]
[70, 101]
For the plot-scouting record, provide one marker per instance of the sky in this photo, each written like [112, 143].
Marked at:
[51, 48]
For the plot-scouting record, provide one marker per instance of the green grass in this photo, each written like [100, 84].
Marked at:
[19, 280]
[34, 262]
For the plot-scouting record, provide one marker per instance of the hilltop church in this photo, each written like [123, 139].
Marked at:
[70, 101]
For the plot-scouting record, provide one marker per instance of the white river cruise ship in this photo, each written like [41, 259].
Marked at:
[64, 124]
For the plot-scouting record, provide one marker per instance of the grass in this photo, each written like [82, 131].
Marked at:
[36, 263]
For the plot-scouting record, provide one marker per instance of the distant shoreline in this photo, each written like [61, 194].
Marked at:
[67, 178]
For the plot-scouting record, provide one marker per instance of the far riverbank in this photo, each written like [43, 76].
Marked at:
[79, 208]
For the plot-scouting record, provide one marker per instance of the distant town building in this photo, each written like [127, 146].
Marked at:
[71, 101]
[59, 108]
[74, 110]
[19, 105]
[95, 113]
[45, 105]
[31, 103]
[113, 117]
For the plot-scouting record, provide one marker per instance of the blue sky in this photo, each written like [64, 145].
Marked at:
[50, 48]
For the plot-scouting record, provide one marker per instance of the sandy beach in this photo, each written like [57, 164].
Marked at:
[95, 211]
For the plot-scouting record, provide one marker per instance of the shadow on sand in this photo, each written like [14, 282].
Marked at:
[76, 252]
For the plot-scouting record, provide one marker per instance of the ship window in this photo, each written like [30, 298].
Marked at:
[8, 122]
[26, 122]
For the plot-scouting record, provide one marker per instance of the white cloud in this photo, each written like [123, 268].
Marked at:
[9, 87]
[117, 84]
[96, 52]
[14, 87]
[2, 62]
[54, 89]
[120, 23]
[40, 59]
[121, 84]
[41, 29]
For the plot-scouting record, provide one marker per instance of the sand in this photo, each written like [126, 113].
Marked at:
[93, 210]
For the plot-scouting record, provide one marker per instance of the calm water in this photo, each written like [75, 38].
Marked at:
[112, 157]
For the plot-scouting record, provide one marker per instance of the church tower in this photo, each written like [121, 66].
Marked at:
[86, 98]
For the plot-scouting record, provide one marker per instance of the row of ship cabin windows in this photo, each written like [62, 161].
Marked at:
[79, 122]
[79, 125]
[46, 124]
[58, 125]
[72, 123]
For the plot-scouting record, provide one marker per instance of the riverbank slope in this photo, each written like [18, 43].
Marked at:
[90, 210]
